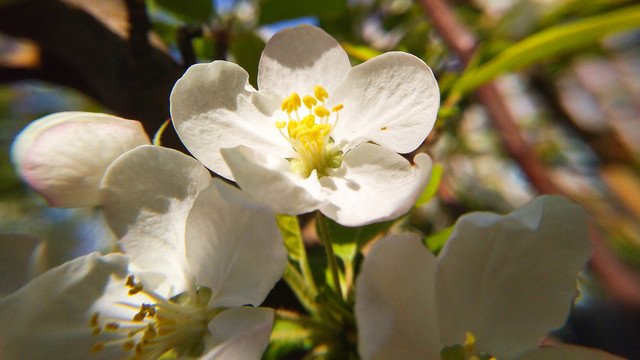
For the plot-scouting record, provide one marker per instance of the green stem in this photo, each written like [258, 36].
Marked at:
[331, 258]
[299, 286]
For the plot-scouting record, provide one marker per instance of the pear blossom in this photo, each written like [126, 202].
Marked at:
[196, 253]
[499, 285]
[64, 155]
[318, 134]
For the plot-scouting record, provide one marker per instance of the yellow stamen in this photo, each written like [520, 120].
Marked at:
[128, 345]
[320, 93]
[111, 326]
[321, 111]
[98, 347]
[309, 101]
[310, 136]
[94, 319]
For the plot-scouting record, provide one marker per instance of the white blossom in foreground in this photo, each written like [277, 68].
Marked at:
[499, 285]
[64, 155]
[319, 134]
[198, 251]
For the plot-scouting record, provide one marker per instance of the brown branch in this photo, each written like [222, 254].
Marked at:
[140, 26]
[463, 43]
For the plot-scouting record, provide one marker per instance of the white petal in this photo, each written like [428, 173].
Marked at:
[395, 304]
[296, 59]
[374, 184]
[63, 156]
[49, 317]
[242, 333]
[148, 193]
[392, 100]
[568, 352]
[234, 246]
[213, 107]
[269, 180]
[511, 279]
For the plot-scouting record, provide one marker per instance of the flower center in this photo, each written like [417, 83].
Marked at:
[465, 351]
[310, 136]
[166, 326]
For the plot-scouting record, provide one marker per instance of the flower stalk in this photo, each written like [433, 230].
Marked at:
[331, 257]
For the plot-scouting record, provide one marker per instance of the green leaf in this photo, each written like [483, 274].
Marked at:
[347, 241]
[246, 50]
[290, 229]
[360, 52]
[272, 11]
[192, 10]
[435, 242]
[432, 187]
[557, 40]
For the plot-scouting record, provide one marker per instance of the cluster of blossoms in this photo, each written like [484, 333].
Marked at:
[198, 256]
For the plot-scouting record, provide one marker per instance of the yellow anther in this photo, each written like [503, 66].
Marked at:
[96, 331]
[138, 349]
[309, 101]
[321, 111]
[94, 319]
[98, 346]
[337, 108]
[308, 120]
[280, 124]
[149, 333]
[134, 286]
[111, 326]
[320, 93]
[470, 339]
[296, 100]
[128, 345]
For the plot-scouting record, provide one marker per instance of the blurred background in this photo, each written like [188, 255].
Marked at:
[538, 96]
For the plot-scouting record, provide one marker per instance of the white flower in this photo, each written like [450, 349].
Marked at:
[318, 134]
[64, 155]
[500, 284]
[198, 251]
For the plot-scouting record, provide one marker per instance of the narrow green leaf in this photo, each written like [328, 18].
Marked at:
[558, 40]
[360, 52]
[432, 188]
[347, 241]
[290, 229]
[435, 242]
[192, 10]
[272, 11]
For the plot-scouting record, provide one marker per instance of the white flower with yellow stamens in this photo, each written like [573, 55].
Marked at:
[197, 252]
[497, 288]
[319, 134]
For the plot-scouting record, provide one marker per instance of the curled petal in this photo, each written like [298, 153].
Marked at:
[240, 333]
[270, 181]
[297, 59]
[374, 184]
[213, 107]
[234, 246]
[148, 193]
[392, 100]
[395, 304]
[49, 317]
[511, 279]
[63, 156]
